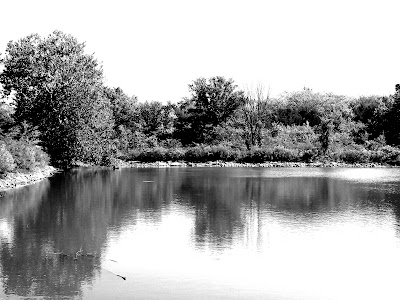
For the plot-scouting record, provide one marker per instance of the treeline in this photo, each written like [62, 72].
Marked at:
[220, 122]
[55, 101]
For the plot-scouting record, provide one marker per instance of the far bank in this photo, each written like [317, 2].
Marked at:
[222, 164]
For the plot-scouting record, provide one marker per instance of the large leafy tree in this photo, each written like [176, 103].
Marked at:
[330, 115]
[300, 107]
[212, 102]
[392, 132]
[150, 117]
[156, 119]
[371, 113]
[124, 107]
[59, 89]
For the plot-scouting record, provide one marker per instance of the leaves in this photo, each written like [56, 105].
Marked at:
[212, 102]
[58, 88]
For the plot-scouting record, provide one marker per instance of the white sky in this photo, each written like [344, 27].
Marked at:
[154, 49]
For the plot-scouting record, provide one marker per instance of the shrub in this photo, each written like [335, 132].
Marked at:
[355, 156]
[256, 155]
[309, 155]
[271, 154]
[212, 153]
[291, 137]
[171, 143]
[41, 158]
[23, 154]
[152, 155]
[197, 154]
[7, 163]
[223, 153]
[386, 154]
[284, 154]
[133, 154]
[175, 154]
[157, 154]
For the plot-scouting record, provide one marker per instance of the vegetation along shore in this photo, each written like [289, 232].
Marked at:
[17, 179]
[56, 110]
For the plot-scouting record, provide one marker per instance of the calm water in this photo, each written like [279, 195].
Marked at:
[190, 233]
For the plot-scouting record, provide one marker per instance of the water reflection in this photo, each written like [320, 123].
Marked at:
[225, 202]
[224, 213]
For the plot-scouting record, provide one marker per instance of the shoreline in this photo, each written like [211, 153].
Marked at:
[221, 164]
[20, 179]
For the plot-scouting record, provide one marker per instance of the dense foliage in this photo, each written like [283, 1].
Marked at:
[58, 89]
[55, 101]
[19, 150]
[211, 104]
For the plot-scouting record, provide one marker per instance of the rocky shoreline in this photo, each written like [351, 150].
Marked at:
[18, 179]
[169, 164]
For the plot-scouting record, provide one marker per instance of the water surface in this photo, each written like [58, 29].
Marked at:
[187, 233]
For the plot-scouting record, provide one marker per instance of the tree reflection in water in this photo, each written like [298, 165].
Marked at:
[72, 211]
[82, 208]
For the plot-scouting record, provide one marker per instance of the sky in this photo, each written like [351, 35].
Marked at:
[154, 49]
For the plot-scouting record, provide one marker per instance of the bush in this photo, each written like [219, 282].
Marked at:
[152, 155]
[197, 154]
[291, 137]
[222, 153]
[171, 143]
[211, 153]
[255, 156]
[23, 154]
[355, 156]
[175, 154]
[42, 159]
[271, 154]
[309, 155]
[193, 154]
[7, 163]
[284, 154]
[387, 154]
[133, 154]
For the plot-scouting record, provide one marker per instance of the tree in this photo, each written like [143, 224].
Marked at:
[156, 119]
[6, 112]
[6, 108]
[330, 115]
[255, 116]
[150, 117]
[124, 108]
[212, 102]
[371, 111]
[392, 127]
[300, 107]
[58, 88]
[336, 121]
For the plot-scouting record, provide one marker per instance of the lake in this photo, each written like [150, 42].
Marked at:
[203, 233]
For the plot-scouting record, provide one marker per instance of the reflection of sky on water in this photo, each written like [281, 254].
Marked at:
[352, 174]
[330, 258]
[368, 174]
[6, 231]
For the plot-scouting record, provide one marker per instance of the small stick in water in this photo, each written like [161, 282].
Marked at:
[124, 278]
